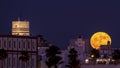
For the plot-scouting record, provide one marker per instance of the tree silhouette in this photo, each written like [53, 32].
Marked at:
[3, 55]
[53, 58]
[94, 53]
[73, 62]
[24, 56]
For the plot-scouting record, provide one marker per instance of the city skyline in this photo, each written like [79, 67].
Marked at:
[59, 21]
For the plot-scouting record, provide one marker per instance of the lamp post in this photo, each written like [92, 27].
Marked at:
[93, 58]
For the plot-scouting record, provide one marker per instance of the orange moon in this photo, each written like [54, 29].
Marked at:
[98, 39]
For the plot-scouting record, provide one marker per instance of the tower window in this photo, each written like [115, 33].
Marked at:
[16, 26]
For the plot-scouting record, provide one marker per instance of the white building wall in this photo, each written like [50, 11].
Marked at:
[10, 43]
[33, 45]
[2, 42]
[81, 46]
[29, 45]
[29, 63]
[13, 45]
[64, 56]
[24, 45]
[10, 58]
[5, 63]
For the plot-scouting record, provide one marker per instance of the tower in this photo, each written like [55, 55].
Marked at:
[80, 45]
[20, 28]
[105, 50]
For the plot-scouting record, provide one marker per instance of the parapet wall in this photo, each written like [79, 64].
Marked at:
[100, 66]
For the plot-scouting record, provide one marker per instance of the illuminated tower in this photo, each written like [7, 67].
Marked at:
[20, 28]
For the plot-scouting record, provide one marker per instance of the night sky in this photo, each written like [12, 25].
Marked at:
[60, 20]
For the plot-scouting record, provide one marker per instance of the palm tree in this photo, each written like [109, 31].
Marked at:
[73, 62]
[94, 53]
[53, 58]
[24, 57]
[3, 55]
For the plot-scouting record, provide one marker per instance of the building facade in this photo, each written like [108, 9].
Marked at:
[42, 56]
[105, 50]
[81, 46]
[20, 28]
[14, 46]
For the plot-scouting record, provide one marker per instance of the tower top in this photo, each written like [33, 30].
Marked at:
[20, 28]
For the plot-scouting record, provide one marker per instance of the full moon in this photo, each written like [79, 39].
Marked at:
[98, 39]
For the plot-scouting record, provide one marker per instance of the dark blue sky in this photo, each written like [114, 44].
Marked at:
[60, 20]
